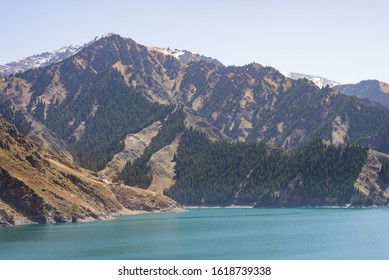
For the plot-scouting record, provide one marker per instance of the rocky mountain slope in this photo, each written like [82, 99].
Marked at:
[122, 108]
[371, 89]
[35, 187]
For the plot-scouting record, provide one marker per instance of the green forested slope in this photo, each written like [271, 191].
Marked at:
[218, 173]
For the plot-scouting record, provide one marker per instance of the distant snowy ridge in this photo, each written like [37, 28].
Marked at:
[38, 60]
[45, 58]
[319, 81]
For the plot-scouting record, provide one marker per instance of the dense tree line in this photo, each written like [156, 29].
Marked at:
[219, 173]
[39, 111]
[366, 122]
[210, 172]
[16, 117]
[137, 173]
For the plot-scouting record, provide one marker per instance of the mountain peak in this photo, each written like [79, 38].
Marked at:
[47, 58]
[105, 35]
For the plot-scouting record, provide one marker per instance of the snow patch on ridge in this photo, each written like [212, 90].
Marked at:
[319, 81]
[105, 35]
[167, 51]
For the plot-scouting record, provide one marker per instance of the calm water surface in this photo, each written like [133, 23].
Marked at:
[209, 234]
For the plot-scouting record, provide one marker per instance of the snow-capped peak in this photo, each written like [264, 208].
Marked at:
[319, 81]
[105, 35]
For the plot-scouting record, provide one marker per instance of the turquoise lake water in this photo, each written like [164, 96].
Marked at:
[209, 234]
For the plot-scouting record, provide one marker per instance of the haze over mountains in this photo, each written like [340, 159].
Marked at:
[145, 114]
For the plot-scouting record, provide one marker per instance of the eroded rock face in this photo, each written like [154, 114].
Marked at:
[162, 167]
[369, 184]
[134, 146]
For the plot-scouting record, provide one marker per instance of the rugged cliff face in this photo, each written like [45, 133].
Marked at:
[47, 189]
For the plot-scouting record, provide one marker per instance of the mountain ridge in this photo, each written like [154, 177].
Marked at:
[115, 88]
[163, 79]
[373, 90]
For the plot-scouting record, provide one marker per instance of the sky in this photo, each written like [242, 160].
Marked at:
[346, 41]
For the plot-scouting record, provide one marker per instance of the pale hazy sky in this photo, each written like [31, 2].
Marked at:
[346, 41]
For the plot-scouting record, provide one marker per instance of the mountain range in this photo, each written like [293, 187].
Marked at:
[371, 89]
[174, 122]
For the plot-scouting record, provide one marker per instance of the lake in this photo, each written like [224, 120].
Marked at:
[209, 233]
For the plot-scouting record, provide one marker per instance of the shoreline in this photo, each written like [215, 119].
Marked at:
[111, 216]
[286, 207]
[218, 207]
[128, 212]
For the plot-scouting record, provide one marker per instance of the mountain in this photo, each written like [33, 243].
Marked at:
[124, 110]
[371, 89]
[319, 81]
[38, 187]
[38, 60]
[47, 58]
